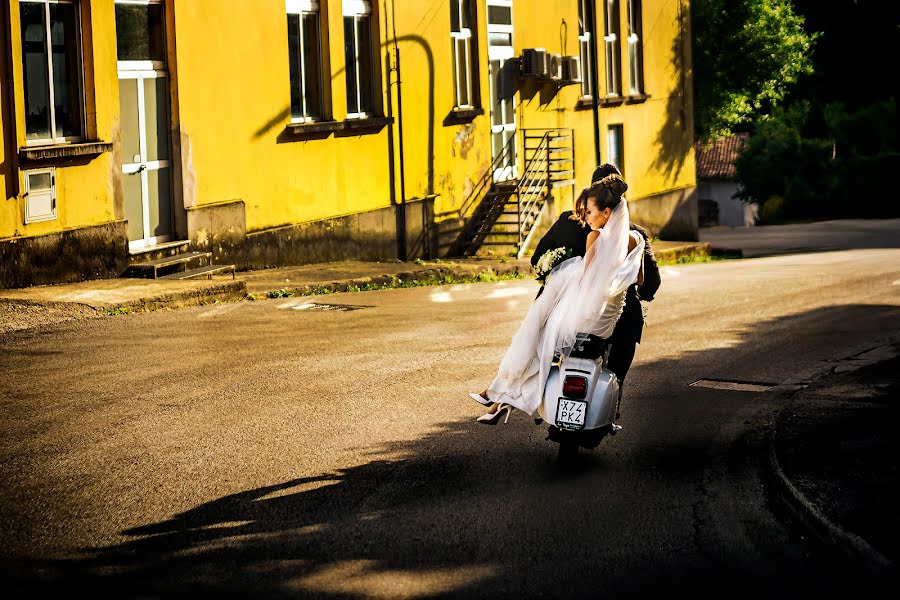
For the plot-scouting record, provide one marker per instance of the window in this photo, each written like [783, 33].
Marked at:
[305, 56]
[611, 39]
[462, 24]
[584, 44]
[51, 66]
[40, 195]
[615, 147]
[140, 35]
[635, 50]
[358, 55]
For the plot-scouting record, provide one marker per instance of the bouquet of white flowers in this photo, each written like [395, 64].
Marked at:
[549, 260]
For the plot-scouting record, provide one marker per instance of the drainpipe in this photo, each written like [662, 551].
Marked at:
[592, 29]
[400, 206]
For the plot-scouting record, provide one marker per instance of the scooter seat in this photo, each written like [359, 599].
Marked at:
[592, 348]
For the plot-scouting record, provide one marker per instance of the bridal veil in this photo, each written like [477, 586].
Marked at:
[581, 296]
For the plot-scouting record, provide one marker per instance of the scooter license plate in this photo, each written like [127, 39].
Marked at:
[570, 414]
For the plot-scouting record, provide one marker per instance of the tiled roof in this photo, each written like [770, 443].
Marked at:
[717, 161]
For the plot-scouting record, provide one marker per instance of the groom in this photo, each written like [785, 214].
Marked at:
[569, 231]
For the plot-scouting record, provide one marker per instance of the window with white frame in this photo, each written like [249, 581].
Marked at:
[359, 58]
[635, 49]
[584, 45]
[465, 79]
[305, 56]
[613, 58]
[51, 67]
[40, 195]
[615, 147]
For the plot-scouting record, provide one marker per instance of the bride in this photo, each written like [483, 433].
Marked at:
[581, 296]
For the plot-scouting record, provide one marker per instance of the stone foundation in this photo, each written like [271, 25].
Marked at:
[96, 252]
[372, 236]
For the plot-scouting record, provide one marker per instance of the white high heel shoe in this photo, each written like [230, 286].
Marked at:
[494, 417]
[480, 399]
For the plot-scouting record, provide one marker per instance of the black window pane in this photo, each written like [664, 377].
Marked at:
[66, 84]
[499, 15]
[454, 15]
[366, 74]
[350, 62]
[294, 62]
[312, 77]
[35, 70]
[139, 32]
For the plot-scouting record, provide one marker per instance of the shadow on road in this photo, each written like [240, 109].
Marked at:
[490, 516]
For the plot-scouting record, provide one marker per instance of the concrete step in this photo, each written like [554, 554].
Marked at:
[169, 261]
[199, 272]
[149, 253]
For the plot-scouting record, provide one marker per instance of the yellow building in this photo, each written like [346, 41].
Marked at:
[291, 131]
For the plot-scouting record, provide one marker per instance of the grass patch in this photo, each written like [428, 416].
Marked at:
[118, 310]
[697, 258]
[487, 276]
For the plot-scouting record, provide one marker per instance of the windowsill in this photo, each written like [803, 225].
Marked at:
[324, 128]
[611, 101]
[461, 116]
[637, 98]
[62, 151]
[584, 103]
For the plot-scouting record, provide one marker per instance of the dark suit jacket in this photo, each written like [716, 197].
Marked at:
[565, 233]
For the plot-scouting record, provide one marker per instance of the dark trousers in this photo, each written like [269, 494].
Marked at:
[621, 356]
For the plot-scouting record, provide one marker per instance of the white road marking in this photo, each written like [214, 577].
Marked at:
[304, 306]
[510, 292]
[441, 297]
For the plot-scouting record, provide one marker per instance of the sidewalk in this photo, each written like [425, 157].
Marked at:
[42, 305]
[833, 460]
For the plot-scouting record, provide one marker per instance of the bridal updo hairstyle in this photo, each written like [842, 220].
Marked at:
[601, 172]
[606, 193]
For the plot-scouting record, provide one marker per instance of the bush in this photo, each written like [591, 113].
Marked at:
[803, 163]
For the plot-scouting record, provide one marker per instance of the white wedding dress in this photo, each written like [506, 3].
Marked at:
[581, 296]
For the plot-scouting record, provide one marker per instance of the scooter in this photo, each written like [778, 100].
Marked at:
[581, 398]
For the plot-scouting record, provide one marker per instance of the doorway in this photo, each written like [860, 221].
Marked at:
[144, 122]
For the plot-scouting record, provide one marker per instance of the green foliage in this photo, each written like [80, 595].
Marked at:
[118, 310]
[747, 54]
[842, 170]
[282, 293]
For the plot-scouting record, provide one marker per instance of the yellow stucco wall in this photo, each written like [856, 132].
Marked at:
[85, 193]
[231, 94]
[658, 133]
[234, 103]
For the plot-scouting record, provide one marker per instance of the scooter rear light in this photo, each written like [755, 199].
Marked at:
[574, 387]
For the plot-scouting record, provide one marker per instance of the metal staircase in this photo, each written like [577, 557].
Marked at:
[507, 213]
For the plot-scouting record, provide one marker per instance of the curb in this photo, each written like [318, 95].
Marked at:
[848, 544]
[844, 543]
[226, 291]
[433, 272]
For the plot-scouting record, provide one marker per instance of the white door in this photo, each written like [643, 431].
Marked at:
[146, 168]
[500, 67]
[144, 121]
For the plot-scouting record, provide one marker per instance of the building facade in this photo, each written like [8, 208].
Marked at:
[291, 131]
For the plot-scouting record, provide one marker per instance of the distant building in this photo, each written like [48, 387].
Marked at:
[717, 184]
[279, 132]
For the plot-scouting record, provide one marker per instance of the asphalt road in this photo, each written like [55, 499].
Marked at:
[262, 448]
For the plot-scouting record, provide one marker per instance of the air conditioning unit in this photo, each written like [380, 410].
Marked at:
[571, 69]
[534, 64]
[554, 66]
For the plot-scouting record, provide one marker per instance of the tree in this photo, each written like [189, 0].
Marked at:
[747, 54]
